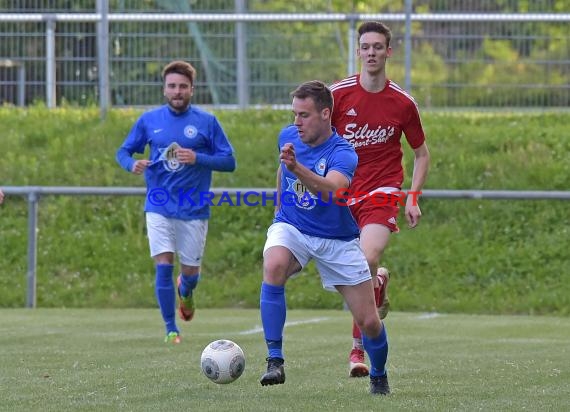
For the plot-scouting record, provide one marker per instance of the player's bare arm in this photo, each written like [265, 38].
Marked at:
[324, 186]
[421, 166]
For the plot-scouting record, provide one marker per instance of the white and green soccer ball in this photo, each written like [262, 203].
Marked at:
[222, 361]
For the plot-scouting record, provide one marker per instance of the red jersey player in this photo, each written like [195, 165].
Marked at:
[371, 112]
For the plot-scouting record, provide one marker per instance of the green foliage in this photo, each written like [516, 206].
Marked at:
[477, 256]
[496, 72]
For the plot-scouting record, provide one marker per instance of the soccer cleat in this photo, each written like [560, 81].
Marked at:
[357, 367]
[185, 304]
[379, 385]
[384, 304]
[173, 337]
[275, 374]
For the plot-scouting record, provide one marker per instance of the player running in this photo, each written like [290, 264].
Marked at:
[371, 112]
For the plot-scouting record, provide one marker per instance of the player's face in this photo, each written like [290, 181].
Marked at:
[178, 91]
[373, 52]
[313, 125]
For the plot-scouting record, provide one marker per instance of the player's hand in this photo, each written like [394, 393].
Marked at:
[287, 156]
[413, 214]
[140, 166]
[186, 155]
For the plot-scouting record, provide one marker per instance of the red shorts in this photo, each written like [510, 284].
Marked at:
[367, 212]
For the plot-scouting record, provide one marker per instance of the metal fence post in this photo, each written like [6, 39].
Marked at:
[50, 63]
[103, 56]
[351, 64]
[242, 72]
[33, 199]
[408, 48]
[21, 85]
[18, 65]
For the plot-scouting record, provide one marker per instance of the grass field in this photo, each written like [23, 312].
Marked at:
[107, 359]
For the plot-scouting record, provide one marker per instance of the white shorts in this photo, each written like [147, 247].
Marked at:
[185, 237]
[339, 262]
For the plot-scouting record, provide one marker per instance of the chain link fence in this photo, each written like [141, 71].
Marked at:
[447, 53]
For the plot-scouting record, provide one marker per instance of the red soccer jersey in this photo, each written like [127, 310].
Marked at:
[373, 123]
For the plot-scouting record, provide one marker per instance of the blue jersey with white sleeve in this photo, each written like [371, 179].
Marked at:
[310, 213]
[174, 189]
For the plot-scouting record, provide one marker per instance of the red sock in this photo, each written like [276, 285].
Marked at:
[356, 331]
[377, 296]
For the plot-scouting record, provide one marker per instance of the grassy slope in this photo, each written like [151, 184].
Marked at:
[467, 255]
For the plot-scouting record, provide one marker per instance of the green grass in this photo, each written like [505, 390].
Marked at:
[93, 360]
[470, 256]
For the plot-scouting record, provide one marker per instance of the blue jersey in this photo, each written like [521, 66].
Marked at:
[174, 189]
[311, 214]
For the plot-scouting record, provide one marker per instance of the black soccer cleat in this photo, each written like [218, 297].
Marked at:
[275, 374]
[379, 385]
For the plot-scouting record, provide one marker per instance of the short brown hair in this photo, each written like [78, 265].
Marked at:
[377, 27]
[316, 90]
[180, 67]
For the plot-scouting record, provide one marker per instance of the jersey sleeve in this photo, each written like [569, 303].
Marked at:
[220, 143]
[135, 142]
[344, 160]
[222, 153]
[413, 129]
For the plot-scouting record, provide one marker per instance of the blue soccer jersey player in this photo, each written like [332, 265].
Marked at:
[317, 166]
[185, 145]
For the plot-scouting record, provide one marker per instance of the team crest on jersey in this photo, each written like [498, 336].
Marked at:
[169, 159]
[303, 198]
[190, 131]
[321, 167]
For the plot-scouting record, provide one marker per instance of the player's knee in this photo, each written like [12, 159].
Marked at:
[370, 325]
[274, 272]
[270, 267]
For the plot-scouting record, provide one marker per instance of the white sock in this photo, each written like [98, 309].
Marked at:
[357, 344]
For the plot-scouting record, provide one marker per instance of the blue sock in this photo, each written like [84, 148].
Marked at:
[377, 350]
[273, 313]
[187, 284]
[165, 294]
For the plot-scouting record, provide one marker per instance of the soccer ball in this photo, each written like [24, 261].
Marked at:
[222, 361]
